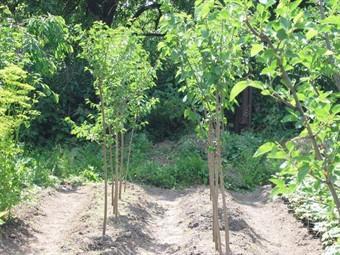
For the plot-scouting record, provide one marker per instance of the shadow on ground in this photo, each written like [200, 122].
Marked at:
[15, 236]
[133, 232]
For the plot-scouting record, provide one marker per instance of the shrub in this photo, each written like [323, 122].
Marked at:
[242, 169]
[90, 174]
[168, 165]
[190, 169]
[12, 174]
[184, 163]
[63, 162]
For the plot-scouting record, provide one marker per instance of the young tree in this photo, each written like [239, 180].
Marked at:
[123, 75]
[207, 48]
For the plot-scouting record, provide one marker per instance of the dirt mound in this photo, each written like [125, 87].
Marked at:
[155, 221]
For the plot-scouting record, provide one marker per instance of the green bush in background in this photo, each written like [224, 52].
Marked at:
[49, 166]
[168, 164]
[183, 163]
[242, 170]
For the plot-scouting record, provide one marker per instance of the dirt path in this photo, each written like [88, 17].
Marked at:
[49, 224]
[58, 215]
[275, 232]
[155, 221]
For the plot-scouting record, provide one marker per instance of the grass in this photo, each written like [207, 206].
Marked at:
[183, 163]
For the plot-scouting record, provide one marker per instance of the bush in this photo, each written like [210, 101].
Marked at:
[184, 163]
[310, 207]
[190, 162]
[64, 162]
[153, 174]
[12, 174]
[90, 174]
[168, 165]
[242, 169]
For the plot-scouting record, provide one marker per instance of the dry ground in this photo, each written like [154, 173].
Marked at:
[152, 221]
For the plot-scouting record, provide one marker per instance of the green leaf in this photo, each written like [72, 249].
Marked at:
[298, 17]
[279, 186]
[294, 5]
[335, 20]
[311, 33]
[264, 148]
[256, 49]
[3, 214]
[277, 155]
[336, 109]
[242, 85]
[323, 113]
[281, 34]
[285, 23]
[203, 8]
[302, 173]
[265, 92]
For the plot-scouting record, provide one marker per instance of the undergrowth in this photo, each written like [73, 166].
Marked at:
[183, 163]
[169, 164]
[242, 170]
[310, 208]
[64, 163]
[44, 167]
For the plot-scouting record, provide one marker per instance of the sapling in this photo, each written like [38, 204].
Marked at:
[113, 55]
[208, 59]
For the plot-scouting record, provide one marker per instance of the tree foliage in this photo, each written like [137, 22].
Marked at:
[297, 60]
[28, 53]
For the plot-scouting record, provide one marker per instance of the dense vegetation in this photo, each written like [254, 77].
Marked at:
[171, 93]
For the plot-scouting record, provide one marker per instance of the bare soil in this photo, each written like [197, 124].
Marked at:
[153, 221]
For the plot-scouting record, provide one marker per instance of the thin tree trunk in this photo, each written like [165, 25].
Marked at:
[128, 158]
[211, 182]
[334, 194]
[104, 156]
[121, 163]
[210, 143]
[116, 176]
[112, 170]
[216, 193]
[219, 131]
[225, 215]
[214, 185]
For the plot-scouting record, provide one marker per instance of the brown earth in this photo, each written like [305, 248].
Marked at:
[152, 221]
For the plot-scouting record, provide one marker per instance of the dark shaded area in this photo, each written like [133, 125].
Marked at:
[15, 236]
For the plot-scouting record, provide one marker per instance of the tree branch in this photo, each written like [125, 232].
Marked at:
[146, 7]
[150, 34]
